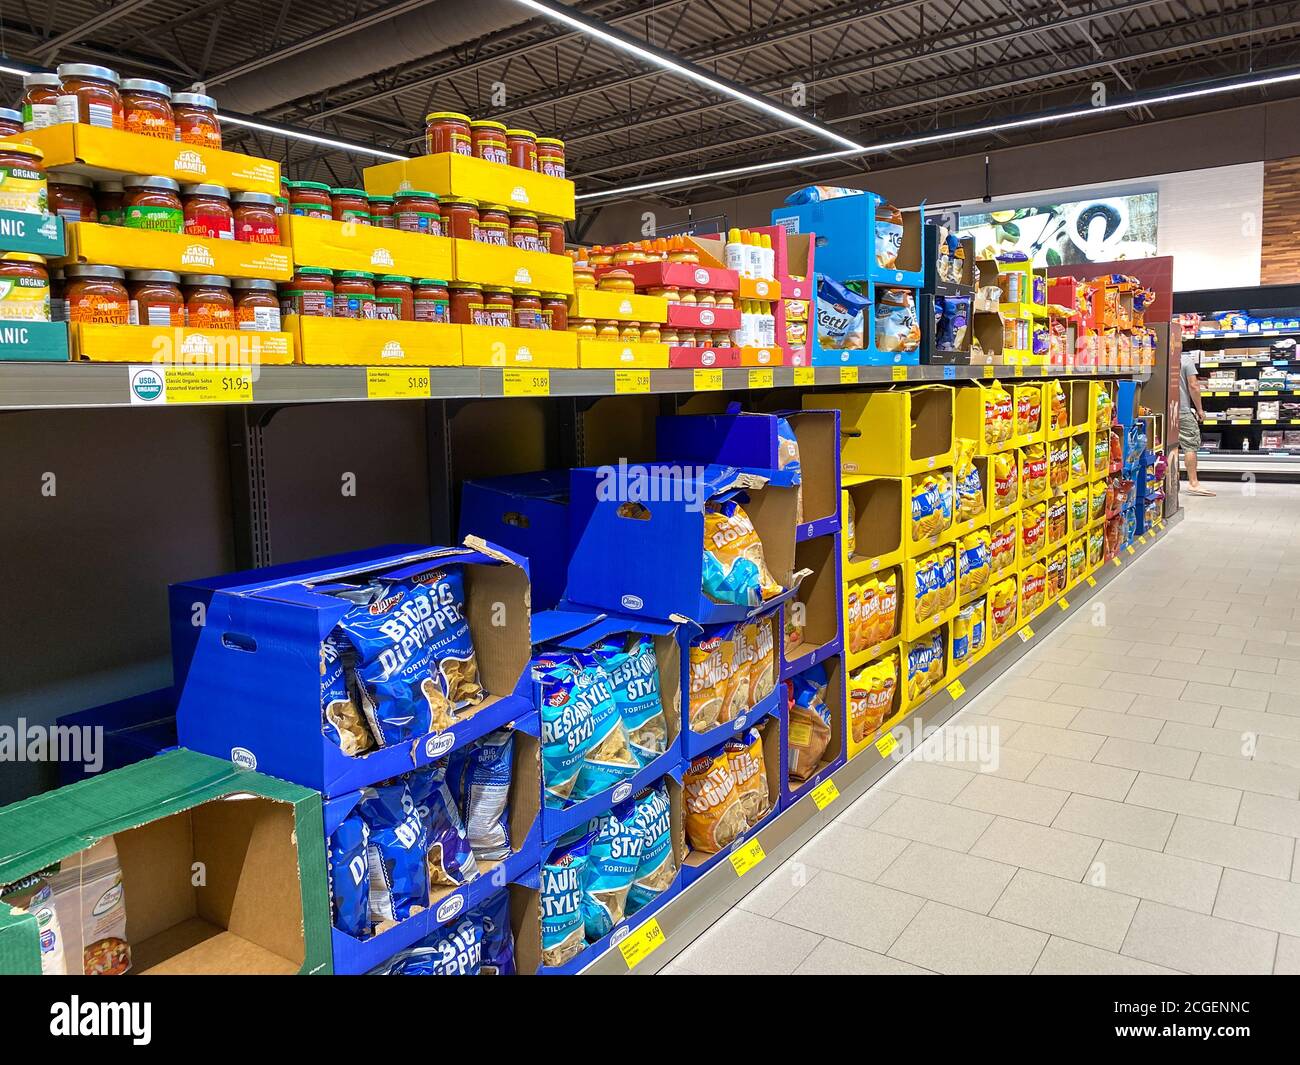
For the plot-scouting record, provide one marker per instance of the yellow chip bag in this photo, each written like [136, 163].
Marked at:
[973, 561]
[714, 814]
[1033, 589]
[1058, 509]
[1096, 500]
[745, 755]
[850, 526]
[1033, 529]
[710, 669]
[868, 603]
[970, 490]
[1078, 461]
[885, 623]
[853, 616]
[1078, 560]
[1006, 483]
[1033, 465]
[1002, 545]
[1002, 608]
[735, 570]
[762, 662]
[1056, 573]
[1058, 464]
[735, 693]
[1060, 412]
[1078, 509]
[927, 503]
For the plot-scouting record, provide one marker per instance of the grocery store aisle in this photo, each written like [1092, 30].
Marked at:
[1140, 811]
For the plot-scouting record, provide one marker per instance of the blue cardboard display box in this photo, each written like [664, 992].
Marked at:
[638, 538]
[834, 756]
[846, 239]
[526, 513]
[133, 729]
[249, 678]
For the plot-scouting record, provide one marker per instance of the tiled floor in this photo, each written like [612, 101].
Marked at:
[1140, 815]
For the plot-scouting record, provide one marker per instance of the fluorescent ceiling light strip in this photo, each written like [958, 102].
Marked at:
[14, 70]
[294, 134]
[950, 135]
[594, 29]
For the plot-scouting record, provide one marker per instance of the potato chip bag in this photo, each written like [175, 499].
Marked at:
[1100, 455]
[871, 696]
[1006, 482]
[1056, 573]
[961, 629]
[973, 562]
[350, 876]
[762, 661]
[1096, 546]
[1033, 529]
[1033, 465]
[1060, 411]
[1002, 545]
[1029, 409]
[1033, 589]
[713, 811]
[885, 625]
[560, 890]
[633, 670]
[395, 852]
[609, 759]
[978, 625]
[810, 722]
[1004, 407]
[343, 721]
[850, 526]
[1003, 601]
[568, 729]
[853, 627]
[925, 588]
[1078, 461]
[1058, 464]
[1078, 560]
[946, 580]
[1096, 500]
[446, 845]
[1101, 411]
[479, 777]
[745, 754]
[1058, 517]
[734, 568]
[926, 507]
[710, 668]
[735, 696]
[1078, 509]
[925, 665]
[970, 490]
[656, 867]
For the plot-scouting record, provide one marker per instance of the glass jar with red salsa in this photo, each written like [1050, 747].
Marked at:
[256, 218]
[156, 298]
[147, 108]
[208, 212]
[447, 131]
[354, 294]
[89, 94]
[208, 302]
[196, 119]
[489, 140]
[394, 298]
[310, 293]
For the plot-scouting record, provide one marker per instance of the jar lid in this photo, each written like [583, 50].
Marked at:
[555, 296]
[87, 70]
[456, 115]
[380, 199]
[359, 274]
[108, 186]
[529, 292]
[23, 257]
[256, 284]
[395, 277]
[207, 190]
[521, 133]
[316, 186]
[68, 179]
[206, 279]
[466, 284]
[10, 114]
[314, 271]
[487, 123]
[522, 214]
[432, 281]
[255, 197]
[145, 85]
[41, 78]
[405, 194]
[348, 192]
[195, 99]
[497, 288]
[152, 181]
[111, 273]
[154, 275]
[461, 200]
[553, 141]
[27, 149]
[499, 207]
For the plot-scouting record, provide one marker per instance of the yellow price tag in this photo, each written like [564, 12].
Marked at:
[1092, 582]
[707, 380]
[760, 378]
[989, 371]
[743, 859]
[956, 689]
[1116, 560]
[526, 382]
[886, 745]
[898, 373]
[848, 375]
[1063, 603]
[1020, 370]
[805, 375]
[208, 384]
[641, 942]
[391, 382]
[1026, 634]
[1129, 548]
[628, 381]
[824, 794]
[1142, 539]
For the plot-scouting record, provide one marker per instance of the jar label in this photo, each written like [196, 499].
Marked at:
[23, 189]
[493, 233]
[493, 154]
[552, 168]
[429, 222]
[432, 310]
[210, 224]
[100, 310]
[161, 219]
[461, 144]
[96, 114]
[257, 232]
[351, 214]
[110, 218]
[39, 116]
[24, 299]
[150, 124]
[307, 302]
[259, 319]
[211, 316]
[168, 314]
[388, 308]
[346, 306]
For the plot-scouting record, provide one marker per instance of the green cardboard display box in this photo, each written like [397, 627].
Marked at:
[223, 869]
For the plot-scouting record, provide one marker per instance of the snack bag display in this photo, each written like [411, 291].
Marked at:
[611, 865]
[970, 489]
[1077, 561]
[734, 568]
[560, 889]
[498, 939]
[1101, 411]
[1033, 465]
[897, 327]
[479, 778]
[1029, 409]
[1058, 464]
[1097, 494]
[810, 722]
[1078, 460]
[397, 836]
[973, 562]
[609, 758]
[350, 876]
[1002, 545]
[450, 950]
[841, 316]
[1033, 589]
[978, 624]
[1096, 547]
[1078, 509]
[884, 623]
[1101, 454]
[931, 505]
[762, 661]
[735, 693]
[871, 696]
[1058, 517]
[633, 672]
[568, 728]
[656, 867]
[1060, 412]
[925, 666]
[1003, 601]
[998, 415]
[1056, 573]
[710, 668]
[341, 715]
[1033, 530]
[1006, 480]
[925, 586]
[446, 846]
[854, 631]
[713, 812]
[745, 755]
[850, 526]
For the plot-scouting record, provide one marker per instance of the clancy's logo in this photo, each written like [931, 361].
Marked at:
[197, 255]
[381, 257]
[243, 757]
[632, 602]
[191, 162]
[392, 350]
[449, 907]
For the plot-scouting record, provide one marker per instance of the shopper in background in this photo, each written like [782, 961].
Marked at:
[1191, 413]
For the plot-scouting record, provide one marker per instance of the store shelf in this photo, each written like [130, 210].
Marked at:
[1238, 462]
[30, 385]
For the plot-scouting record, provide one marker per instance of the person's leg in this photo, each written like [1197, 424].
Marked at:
[1189, 439]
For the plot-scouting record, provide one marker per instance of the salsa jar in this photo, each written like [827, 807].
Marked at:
[499, 305]
[447, 131]
[630, 332]
[467, 306]
[585, 328]
[521, 148]
[11, 123]
[311, 199]
[354, 294]
[96, 294]
[147, 108]
[460, 218]
[550, 156]
[256, 218]
[382, 212]
[551, 232]
[493, 225]
[208, 302]
[528, 310]
[89, 94]
[489, 140]
[208, 212]
[555, 311]
[257, 308]
[350, 205]
[109, 197]
[196, 119]
[72, 198]
[432, 301]
[23, 186]
[40, 104]
[310, 293]
[394, 298]
[155, 298]
[25, 291]
[523, 232]
[417, 212]
[152, 202]
[649, 332]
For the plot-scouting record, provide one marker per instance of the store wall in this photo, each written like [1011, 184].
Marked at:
[1280, 254]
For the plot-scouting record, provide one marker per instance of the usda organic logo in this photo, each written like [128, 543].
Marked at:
[146, 385]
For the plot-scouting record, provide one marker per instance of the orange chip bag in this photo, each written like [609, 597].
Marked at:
[745, 753]
[713, 810]
[885, 625]
[710, 668]
[762, 661]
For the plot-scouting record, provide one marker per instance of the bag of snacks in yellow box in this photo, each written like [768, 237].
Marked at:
[1058, 464]
[1002, 545]
[970, 490]
[931, 506]
[1078, 509]
[1060, 411]
[1101, 454]
[850, 526]
[1058, 518]
[1056, 573]
[979, 624]
[853, 616]
[947, 578]
[973, 562]
[1096, 546]
[963, 628]
[1002, 608]
[997, 414]
[925, 588]
[1033, 463]
[1077, 560]
[1096, 500]
[868, 597]
[871, 696]
[883, 624]
[1006, 480]
[1033, 529]
[925, 666]
[1029, 409]
[1101, 412]
[1078, 461]
[1033, 589]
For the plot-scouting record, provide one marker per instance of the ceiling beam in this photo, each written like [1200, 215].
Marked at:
[50, 48]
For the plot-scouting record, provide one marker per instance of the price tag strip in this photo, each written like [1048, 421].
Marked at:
[745, 857]
[161, 385]
[707, 380]
[526, 382]
[641, 942]
[824, 794]
[390, 382]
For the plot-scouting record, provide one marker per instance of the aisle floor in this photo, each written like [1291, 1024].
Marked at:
[1143, 814]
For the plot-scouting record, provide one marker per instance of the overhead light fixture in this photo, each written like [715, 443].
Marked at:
[622, 41]
[958, 134]
[313, 138]
[14, 70]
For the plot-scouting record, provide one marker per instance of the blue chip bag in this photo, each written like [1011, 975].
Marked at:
[612, 863]
[452, 950]
[479, 778]
[450, 857]
[656, 867]
[810, 691]
[560, 901]
[634, 674]
[609, 759]
[349, 876]
[498, 938]
[568, 727]
[841, 316]
[342, 719]
[451, 648]
[399, 879]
